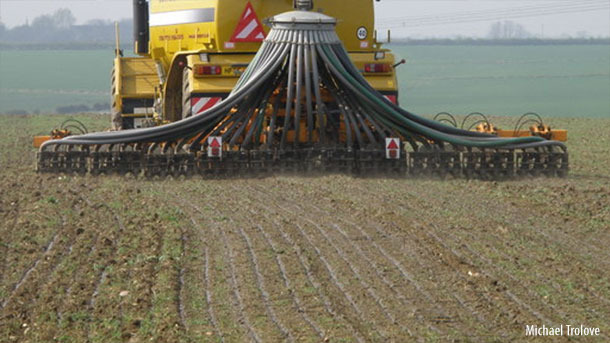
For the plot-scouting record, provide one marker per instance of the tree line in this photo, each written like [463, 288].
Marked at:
[59, 29]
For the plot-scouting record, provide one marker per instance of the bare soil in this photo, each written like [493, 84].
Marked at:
[301, 259]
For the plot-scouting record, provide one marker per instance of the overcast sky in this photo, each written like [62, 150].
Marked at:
[415, 18]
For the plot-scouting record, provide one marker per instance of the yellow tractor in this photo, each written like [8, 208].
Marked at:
[193, 52]
[217, 92]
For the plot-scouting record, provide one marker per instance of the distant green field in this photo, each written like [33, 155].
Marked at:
[46, 79]
[503, 80]
[555, 81]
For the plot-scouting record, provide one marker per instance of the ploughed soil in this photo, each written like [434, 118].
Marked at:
[330, 258]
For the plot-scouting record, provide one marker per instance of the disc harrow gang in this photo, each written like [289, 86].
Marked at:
[302, 107]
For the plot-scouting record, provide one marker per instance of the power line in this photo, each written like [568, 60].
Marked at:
[575, 1]
[500, 11]
[489, 15]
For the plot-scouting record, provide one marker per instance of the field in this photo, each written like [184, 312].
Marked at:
[555, 81]
[301, 259]
[43, 80]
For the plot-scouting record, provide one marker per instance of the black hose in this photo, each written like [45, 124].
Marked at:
[451, 121]
[79, 129]
[529, 114]
[474, 114]
[299, 87]
[82, 127]
[420, 120]
[290, 96]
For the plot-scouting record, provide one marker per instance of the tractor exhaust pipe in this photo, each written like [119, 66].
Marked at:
[140, 27]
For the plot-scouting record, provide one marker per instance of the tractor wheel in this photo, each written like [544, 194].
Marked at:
[187, 90]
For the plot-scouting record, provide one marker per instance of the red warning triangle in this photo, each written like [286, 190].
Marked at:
[215, 143]
[392, 144]
[249, 29]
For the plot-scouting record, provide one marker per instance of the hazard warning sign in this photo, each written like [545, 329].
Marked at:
[215, 147]
[200, 105]
[249, 29]
[392, 148]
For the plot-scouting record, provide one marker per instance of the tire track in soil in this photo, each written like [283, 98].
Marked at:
[332, 274]
[459, 257]
[153, 270]
[259, 278]
[25, 275]
[180, 305]
[287, 334]
[579, 249]
[104, 272]
[150, 308]
[207, 284]
[102, 284]
[150, 270]
[208, 296]
[468, 308]
[497, 284]
[4, 249]
[538, 279]
[131, 263]
[298, 303]
[4, 246]
[440, 314]
[27, 294]
[406, 275]
[304, 264]
[129, 321]
[54, 259]
[238, 301]
[53, 293]
[365, 285]
[235, 285]
[65, 254]
[237, 304]
[68, 290]
[400, 296]
[524, 304]
[509, 294]
[461, 303]
[262, 277]
[269, 244]
[376, 268]
[51, 275]
[453, 266]
[282, 271]
[101, 277]
[303, 261]
[556, 219]
[35, 280]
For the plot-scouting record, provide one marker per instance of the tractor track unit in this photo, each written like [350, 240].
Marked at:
[217, 92]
